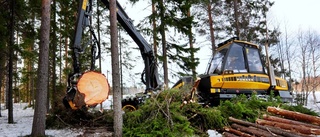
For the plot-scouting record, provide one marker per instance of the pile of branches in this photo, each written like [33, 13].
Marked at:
[280, 122]
[63, 118]
[162, 114]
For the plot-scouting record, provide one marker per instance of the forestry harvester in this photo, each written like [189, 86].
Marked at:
[235, 68]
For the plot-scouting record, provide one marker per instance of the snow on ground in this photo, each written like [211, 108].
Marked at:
[23, 117]
[22, 126]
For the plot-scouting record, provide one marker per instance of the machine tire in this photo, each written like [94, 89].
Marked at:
[129, 105]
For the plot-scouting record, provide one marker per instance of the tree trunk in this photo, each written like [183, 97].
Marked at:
[10, 77]
[236, 17]
[193, 68]
[54, 93]
[154, 32]
[2, 72]
[39, 118]
[213, 44]
[118, 121]
[164, 44]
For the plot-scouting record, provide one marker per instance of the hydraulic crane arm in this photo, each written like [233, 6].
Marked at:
[150, 74]
[150, 78]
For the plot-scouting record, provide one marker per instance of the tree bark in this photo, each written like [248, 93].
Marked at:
[164, 44]
[193, 68]
[236, 17]
[213, 45]
[227, 134]
[247, 130]
[292, 122]
[236, 132]
[39, 118]
[154, 31]
[10, 77]
[268, 128]
[294, 115]
[293, 128]
[118, 120]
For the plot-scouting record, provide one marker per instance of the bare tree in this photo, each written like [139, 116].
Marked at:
[313, 44]
[305, 61]
[118, 120]
[288, 53]
[39, 118]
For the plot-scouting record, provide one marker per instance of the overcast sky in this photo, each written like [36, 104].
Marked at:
[297, 14]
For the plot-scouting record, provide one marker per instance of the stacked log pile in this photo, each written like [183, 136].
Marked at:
[284, 123]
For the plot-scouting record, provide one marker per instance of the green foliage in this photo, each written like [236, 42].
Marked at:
[162, 115]
[246, 108]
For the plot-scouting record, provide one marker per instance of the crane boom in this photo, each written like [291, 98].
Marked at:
[149, 76]
[151, 81]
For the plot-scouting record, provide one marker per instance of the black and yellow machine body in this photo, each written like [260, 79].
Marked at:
[236, 68]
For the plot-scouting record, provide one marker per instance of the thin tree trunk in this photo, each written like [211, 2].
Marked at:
[2, 72]
[39, 118]
[193, 68]
[98, 31]
[164, 44]
[10, 77]
[236, 17]
[118, 121]
[213, 44]
[54, 42]
[154, 32]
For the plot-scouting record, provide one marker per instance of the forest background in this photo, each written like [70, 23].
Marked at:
[183, 34]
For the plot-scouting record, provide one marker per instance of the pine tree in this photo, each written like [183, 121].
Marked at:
[118, 120]
[38, 126]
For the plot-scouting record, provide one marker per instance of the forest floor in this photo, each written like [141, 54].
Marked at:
[23, 119]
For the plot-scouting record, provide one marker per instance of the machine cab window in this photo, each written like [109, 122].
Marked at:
[254, 60]
[215, 65]
[235, 60]
[237, 57]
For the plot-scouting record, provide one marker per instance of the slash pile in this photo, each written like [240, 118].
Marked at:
[284, 123]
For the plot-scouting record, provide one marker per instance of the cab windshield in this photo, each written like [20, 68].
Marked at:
[237, 57]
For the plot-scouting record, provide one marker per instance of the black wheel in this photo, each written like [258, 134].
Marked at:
[130, 104]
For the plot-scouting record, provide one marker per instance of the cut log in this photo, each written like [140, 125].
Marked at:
[293, 128]
[277, 131]
[227, 134]
[288, 121]
[236, 132]
[266, 133]
[247, 130]
[294, 115]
